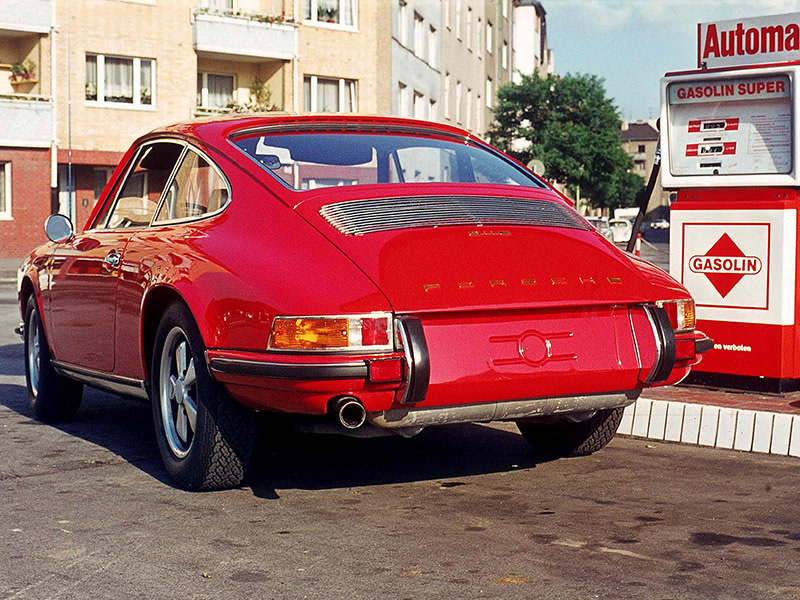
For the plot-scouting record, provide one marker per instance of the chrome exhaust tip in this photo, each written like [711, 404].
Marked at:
[350, 412]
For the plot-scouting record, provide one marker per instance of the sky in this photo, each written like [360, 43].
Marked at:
[632, 43]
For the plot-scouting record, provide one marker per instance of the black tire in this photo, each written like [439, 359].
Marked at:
[206, 439]
[570, 438]
[52, 397]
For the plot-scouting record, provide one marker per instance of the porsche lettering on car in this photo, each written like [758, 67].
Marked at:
[355, 275]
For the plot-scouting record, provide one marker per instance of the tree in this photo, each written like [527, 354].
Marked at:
[574, 129]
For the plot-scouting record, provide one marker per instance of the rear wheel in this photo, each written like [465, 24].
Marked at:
[206, 439]
[51, 396]
[572, 438]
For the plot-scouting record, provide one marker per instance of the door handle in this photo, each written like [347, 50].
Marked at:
[112, 260]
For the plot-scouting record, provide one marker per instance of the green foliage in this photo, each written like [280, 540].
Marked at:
[574, 129]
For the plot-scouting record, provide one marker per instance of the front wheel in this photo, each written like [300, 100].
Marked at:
[51, 396]
[206, 439]
[572, 438]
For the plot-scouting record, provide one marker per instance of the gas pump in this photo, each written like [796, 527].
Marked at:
[732, 146]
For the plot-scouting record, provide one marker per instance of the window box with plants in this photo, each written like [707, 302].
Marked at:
[24, 72]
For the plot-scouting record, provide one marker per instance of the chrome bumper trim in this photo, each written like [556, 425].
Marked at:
[498, 411]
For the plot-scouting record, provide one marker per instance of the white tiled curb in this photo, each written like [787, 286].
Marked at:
[713, 426]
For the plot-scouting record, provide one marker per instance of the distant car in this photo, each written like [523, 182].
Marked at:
[660, 224]
[356, 275]
[601, 224]
[621, 230]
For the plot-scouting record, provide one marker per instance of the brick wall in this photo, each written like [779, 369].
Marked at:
[30, 201]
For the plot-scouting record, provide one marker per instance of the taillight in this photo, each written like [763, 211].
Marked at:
[681, 314]
[360, 332]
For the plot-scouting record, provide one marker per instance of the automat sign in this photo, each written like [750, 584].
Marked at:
[758, 40]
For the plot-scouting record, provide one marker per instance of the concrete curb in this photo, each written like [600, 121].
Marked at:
[713, 426]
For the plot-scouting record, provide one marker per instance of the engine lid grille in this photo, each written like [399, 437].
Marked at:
[359, 217]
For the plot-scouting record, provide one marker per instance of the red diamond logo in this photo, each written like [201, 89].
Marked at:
[725, 265]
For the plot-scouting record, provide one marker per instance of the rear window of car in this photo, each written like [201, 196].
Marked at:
[305, 160]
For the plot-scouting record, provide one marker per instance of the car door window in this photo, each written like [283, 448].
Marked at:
[197, 189]
[140, 193]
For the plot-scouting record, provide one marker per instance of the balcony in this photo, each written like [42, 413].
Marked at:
[249, 37]
[29, 16]
[27, 120]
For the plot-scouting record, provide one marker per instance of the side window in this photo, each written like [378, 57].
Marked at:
[196, 190]
[139, 195]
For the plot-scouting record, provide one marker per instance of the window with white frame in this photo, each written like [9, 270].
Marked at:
[446, 10]
[489, 92]
[505, 8]
[101, 176]
[489, 37]
[326, 94]
[478, 115]
[335, 12]
[419, 35]
[419, 105]
[468, 27]
[458, 102]
[5, 190]
[402, 99]
[458, 19]
[217, 4]
[432, 111]
[447, 95]
[478, 36]
[215, 91]
[505, 55]
[402, 22]
[433, 46]
[468, 111]
[120, 80]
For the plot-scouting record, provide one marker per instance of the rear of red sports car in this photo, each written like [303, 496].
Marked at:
[493, 298]
[356, 275]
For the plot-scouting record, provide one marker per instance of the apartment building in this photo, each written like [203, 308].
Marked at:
[81, 79]
[27, 115]
[640, 141]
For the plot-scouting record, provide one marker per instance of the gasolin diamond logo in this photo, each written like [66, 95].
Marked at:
[725, 265]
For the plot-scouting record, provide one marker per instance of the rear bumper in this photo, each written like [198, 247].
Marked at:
[399, 418]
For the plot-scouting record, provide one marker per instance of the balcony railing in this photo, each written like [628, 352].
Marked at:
[34, 16]
[27, 120]
[221, 32]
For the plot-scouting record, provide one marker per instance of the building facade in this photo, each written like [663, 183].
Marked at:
[640, 141]
[81, 79]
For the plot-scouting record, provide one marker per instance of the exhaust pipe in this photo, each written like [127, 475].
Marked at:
[350, 412]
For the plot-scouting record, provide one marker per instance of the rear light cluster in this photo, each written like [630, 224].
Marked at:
[372, 333]
[681, 314]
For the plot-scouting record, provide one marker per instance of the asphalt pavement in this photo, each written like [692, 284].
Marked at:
[87, 511]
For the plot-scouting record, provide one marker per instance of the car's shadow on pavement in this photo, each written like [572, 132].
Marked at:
[290, 460]
[315, 462]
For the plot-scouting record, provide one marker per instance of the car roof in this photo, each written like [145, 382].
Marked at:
[215, 129]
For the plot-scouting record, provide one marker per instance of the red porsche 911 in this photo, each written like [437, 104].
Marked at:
[358, 275]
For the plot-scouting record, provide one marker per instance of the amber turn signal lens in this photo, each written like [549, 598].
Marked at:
[681, 314]
[309, 333]
[368, 332]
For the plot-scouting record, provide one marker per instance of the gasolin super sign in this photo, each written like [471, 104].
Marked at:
[759, 40]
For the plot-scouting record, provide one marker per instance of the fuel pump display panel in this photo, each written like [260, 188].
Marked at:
[731, 126]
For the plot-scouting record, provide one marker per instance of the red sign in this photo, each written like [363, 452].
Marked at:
[700, 126]
[770, 39]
